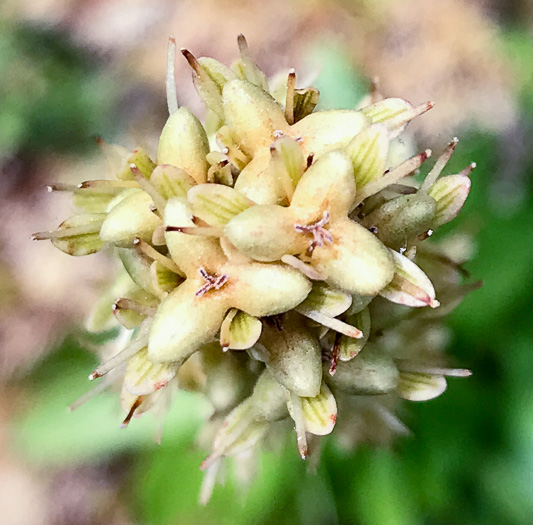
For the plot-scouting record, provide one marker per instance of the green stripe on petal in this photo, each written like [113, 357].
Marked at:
[217, 204]
[326, 300]
[415, 386]
[243, 330]
[350, 347]
[163, 279]
[410, 285]
[450, 193]
[85, 238]
[319, 412]
[368, 152]
[144, 377]
[170, 181]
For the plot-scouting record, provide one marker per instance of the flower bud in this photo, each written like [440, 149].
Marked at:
[362, 264]
[328, 130]
[401, 219]
[252, 115]
[265, 233]
[372, 372]
[294, 356]
[183, 143]
[132, 218]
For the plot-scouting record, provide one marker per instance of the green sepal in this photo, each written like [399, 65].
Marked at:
[372, 372]
[415, 386]
[450, 194]
[319, 412]
[170, 181]
[294, 356]
[349, 347]
[82, 243]
[143, 377]
[142, 161]
[216, 204]
[131, 218]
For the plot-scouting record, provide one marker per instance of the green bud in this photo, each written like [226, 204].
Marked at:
[350, 347]
[265, 233]
[183, 143]
[78, 235]
[132, 218]
[372, 372]
[228, 378]
[360, 264]
[328, 130]
[252, 115]
[401, 219]
[294, 356]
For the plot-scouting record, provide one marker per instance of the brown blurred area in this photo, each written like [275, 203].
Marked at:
[447, 51]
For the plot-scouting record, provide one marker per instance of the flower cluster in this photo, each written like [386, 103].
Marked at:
[276, 257]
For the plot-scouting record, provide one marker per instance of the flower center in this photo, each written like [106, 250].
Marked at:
[321, 236]
[212, 282]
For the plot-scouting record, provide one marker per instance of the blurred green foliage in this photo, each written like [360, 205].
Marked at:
[470, 459]
[54, 96]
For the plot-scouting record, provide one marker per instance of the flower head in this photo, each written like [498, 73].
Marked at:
[279, 246]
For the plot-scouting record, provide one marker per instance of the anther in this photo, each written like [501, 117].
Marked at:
[321, 236]
[212, 282]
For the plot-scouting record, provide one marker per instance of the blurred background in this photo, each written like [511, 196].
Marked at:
[72, 70]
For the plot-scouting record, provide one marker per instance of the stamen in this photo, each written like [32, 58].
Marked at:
[86, 229]
[331, 322]
[192, 60]
[225, 329]
[306, 269]
[136, 404]
[128, 304]
[375, 93]
[393, 176]
[152, 253]
[208, 483]
[106, 186]
[433, 175]
[391, 420]
[59, 186]
[321, 236]
[93, 392]
[206, 231]
[172, 97]
[289, 101]
[122, 356]
[213, 282]
[404, 365]
[335, 354]
[299, 424]
[405, 117]
[468, 170]
[149, 188]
